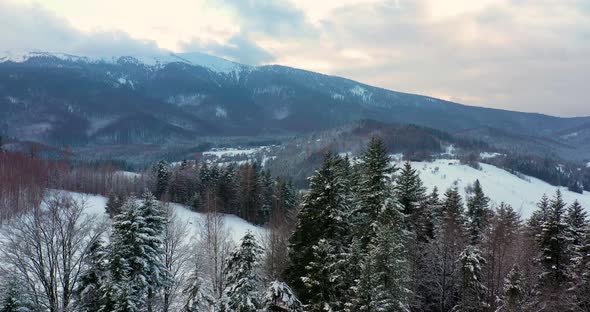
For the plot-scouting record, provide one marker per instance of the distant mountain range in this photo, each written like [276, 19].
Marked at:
[62, 99]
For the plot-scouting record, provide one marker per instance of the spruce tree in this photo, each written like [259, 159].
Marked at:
[554, 244]
[538, 217]
[576, 227]
[514, 291]
[389, 256]
[410, 194]
[578, 238]
[162, 173]
[323, 217]
[89, 297]
[242, 283]
[136, 262]
[155, 220]
[374, 188]
[443, 252]
[473, 291]
[266, 197]
[280, 298]
[478, 213]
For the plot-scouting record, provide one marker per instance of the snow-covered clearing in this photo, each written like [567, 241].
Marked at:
[500, 185]
[231, 152]
[95, 206]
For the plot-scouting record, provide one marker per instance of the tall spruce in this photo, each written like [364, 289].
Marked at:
[136, 262]
[162, 174]
[241, 293]
[478, 213]
[89, 297]
[410, 194]
[374, 188]
[578, 237]
[443, 252]
[514, 292]
[323, 217]
[473, 290]
[554, 244]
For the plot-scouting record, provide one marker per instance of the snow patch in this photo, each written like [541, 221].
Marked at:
[186, 99]
[488, 155]
[337, 96]
[361, 92]
[220, 112]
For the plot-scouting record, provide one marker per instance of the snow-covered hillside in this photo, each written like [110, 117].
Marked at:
[95, 205]
[500, 185]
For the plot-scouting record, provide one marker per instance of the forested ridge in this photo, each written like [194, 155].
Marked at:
[365, 236]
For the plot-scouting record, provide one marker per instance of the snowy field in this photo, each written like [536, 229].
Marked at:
[498, 184]
[95, 206]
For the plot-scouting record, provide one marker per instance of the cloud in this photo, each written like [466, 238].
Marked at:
[519, 54]
[270, 17]
[32, 28]
[238, 48]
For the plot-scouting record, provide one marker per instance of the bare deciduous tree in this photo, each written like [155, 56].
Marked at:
[176, 259]
[47, 247]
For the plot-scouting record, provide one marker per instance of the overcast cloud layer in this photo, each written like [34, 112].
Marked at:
[525, 55]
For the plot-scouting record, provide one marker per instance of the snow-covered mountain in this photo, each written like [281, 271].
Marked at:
[211, 62]
[62, 99]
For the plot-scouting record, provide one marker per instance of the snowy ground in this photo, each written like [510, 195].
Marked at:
[95, 206]
[498, 184]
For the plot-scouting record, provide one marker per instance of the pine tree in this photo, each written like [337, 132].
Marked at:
[228, 189]
[553, 242]
[323, 278]
[389, 256]
[577, 224]
[538, 217]
[266, 197]
[473, 291]
[513, 291]
[280, 298]
[92, 280]
[374, 188]
[478, 213]
[431, 217]
[136, 265]
[162, 172]
[155, 220]
[380, 261]
[443, 252]
[323, 217]
[114, 203]
[578, 238]
[241, 290]
[196, 202]
[410, 193]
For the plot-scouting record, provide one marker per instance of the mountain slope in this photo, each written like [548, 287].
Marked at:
[64, 99]
[522, 193]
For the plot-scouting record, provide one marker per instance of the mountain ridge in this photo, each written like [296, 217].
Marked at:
[43, 93]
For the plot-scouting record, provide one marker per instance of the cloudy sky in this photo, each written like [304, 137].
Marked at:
[525, 55]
